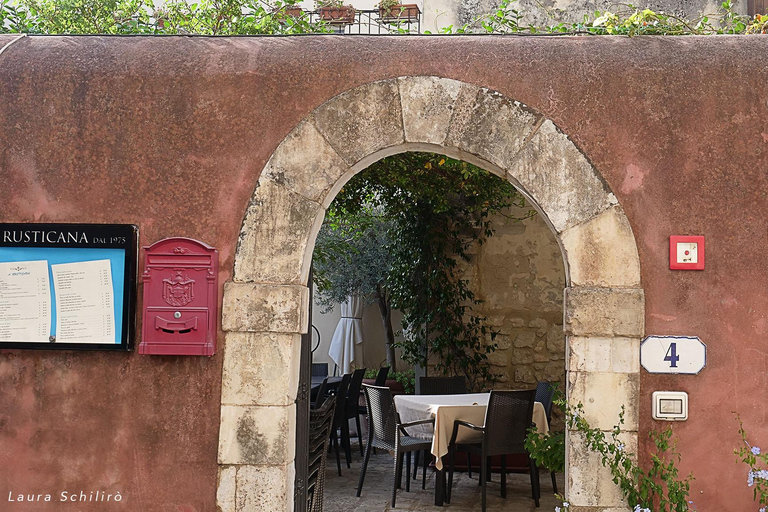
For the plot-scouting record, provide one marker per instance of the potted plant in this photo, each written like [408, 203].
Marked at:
[288, 10]
[392, 11]
[335, 12]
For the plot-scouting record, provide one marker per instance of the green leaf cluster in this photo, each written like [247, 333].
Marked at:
[659, 487]
[203, 17]
[627, 20]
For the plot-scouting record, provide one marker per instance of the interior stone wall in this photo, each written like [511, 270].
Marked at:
[518, 274]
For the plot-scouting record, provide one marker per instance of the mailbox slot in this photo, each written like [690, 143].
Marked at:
[180, 282]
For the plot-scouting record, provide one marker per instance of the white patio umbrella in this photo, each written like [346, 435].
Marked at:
[348, 333]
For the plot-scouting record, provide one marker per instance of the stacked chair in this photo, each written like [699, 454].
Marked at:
[320, 421]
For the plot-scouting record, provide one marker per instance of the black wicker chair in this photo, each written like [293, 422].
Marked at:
[340, 422]
[352, 404]
[322, 391]
[385, 431]
[319, 369]
[442, 385]
[381, 377]
[544, 394]
[507, 419]
[320, 422]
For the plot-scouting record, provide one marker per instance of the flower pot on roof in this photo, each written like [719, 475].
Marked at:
[392, 11]
[335, 12]
[288, 11]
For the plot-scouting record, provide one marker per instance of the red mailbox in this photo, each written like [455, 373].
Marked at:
[180, 298]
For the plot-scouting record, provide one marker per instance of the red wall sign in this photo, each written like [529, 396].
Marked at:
[180, 298]
[686, 252]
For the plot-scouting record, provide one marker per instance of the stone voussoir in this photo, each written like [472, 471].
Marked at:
[490, 125]
[305, 163]
[255, 307]
[602, 251]
[551, 169]
[362, 121]
[427, 103]
[603, 312]
[274, 236]
[262, 436]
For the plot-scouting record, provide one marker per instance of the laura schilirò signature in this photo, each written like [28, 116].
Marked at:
[66, 496]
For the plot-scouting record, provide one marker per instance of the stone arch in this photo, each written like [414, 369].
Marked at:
[265, 304]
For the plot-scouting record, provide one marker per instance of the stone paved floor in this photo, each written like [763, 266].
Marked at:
[377, 490]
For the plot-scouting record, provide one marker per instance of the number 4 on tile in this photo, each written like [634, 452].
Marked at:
[672, 356]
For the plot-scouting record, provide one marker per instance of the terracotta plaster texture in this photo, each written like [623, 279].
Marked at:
[172, 134]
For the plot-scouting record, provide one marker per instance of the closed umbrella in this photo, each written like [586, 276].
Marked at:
[348, 333]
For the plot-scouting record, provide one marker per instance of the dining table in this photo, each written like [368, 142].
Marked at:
[446, 409]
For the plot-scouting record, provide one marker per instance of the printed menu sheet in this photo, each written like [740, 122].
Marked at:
[25, 301]
[84, 302]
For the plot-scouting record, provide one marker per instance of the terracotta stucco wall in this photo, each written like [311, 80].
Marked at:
[171, 134]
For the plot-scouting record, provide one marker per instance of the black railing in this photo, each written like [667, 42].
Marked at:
[406, 20]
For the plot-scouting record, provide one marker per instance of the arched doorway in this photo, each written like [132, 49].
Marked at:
[265, 305]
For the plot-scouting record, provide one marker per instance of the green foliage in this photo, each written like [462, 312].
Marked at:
[407, 378]
[205, 17]
[439, 210]
[351, 256]
[547, 450]
[757, 462]
[628, 20]
[659, 487]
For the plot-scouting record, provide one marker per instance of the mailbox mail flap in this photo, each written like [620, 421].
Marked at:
[180, 298]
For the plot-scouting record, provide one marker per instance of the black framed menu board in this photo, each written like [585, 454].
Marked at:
[68, 286]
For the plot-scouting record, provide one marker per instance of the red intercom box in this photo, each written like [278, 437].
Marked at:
[180, 298]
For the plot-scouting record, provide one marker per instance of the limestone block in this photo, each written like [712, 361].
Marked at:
[257, 435]
[620, 355]
[524, 375]
[589, 354]
[555, 339]
[522, 356]
[551, 169]
[305, 163]
[503, 342]
[427, 104]
[603, 395]
[260, 368]
[602, 251]
[540, 325]
[362, 121]
[525, 339]
[589, 483]
[265, 488]
[225, 489]
[499, 358]
[491, 126]
[250, 307]
[517, 322]
[274, 236]
[604, 312]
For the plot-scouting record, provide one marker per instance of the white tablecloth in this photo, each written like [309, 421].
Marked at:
[447, 408]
